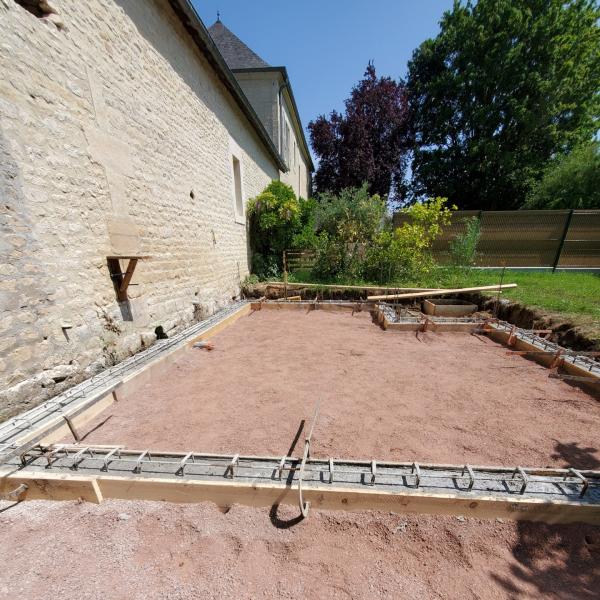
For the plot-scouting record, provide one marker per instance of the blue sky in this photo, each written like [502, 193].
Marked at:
[326, 44]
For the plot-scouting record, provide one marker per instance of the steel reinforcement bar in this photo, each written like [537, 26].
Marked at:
[582, 361]
[98, 472]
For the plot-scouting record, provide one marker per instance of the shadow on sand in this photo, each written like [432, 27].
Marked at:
[558, 561]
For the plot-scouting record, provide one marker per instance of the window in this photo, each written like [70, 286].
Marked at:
[237, 189]
[286, 142]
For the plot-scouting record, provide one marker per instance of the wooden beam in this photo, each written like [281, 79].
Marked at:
[127, 278]
[241, 312]
[128, 274]
[51, 486]
[591, 379]
[309, 305]
[467, 327]
[547, 358]
[427, 294]
[225, 493]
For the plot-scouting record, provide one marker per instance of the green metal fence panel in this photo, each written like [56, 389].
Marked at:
[527, 238]
[521, 238]
[582, 243]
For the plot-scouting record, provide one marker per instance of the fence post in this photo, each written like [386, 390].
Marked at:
[562, 240]
[285, 275]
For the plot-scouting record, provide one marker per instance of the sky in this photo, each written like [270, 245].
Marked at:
[326, 44]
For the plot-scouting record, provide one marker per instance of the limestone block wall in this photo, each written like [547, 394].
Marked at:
[116, 136]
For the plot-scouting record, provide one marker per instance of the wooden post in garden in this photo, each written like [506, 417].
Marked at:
[285, 276]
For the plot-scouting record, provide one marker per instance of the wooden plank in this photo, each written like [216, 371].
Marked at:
[547, 359]
[307, 306]
[433, 328]
[591, 379]
[302, 306]
[65, 487]
[51, 486]
[241, 312]
[444, 292]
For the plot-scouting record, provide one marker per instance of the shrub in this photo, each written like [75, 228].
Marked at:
[463, 248]
[346, 224]
[406, 251]
[305, 237]
[274, 219]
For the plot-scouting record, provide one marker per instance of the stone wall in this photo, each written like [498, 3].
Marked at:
[116, 137]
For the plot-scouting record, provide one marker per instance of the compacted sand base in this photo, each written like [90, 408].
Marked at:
[148, 551]
[435, 397]
[448, 397]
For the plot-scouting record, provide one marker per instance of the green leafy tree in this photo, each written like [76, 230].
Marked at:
[306, 236]
[571, 181]
[505, 86]
[274, 220]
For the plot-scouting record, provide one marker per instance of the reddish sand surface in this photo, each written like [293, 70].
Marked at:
[148, 550]
[432, 397]
[448, 397]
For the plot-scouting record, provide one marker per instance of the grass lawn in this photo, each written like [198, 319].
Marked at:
[573, 297]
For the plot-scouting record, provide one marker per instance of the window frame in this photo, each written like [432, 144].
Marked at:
[235, 157]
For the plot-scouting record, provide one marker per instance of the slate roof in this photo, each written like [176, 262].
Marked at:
[236, 54]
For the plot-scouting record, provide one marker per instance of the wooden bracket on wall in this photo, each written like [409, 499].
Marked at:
[121, 280]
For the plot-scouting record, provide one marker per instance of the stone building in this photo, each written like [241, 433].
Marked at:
[128, 150]
[270, 92]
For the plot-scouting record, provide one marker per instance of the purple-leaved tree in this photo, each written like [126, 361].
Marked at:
[369, 142]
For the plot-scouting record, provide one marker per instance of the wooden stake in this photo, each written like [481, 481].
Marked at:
[443, 292]
[285, 276]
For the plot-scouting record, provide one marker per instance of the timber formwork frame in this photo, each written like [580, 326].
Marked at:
[530, 342]
[384, 314]
[31, 466]
[398, 318]
[95, 473]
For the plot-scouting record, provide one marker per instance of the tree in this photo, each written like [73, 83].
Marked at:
[274, 217]
[571, 181]
[368, 143]
[504, 87]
